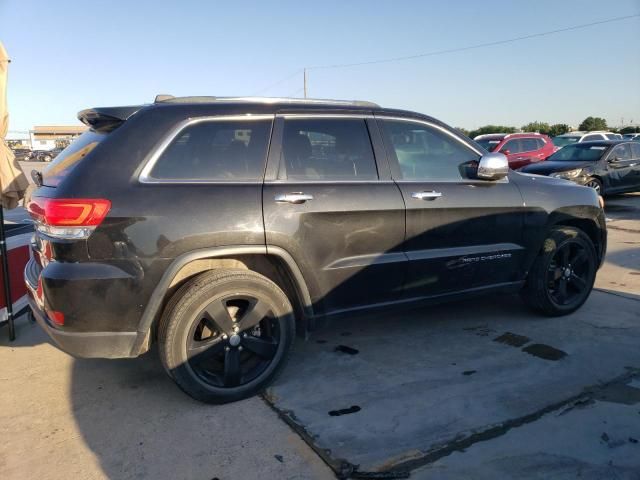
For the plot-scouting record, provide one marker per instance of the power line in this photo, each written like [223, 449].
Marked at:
[275, 84]
[471, 47]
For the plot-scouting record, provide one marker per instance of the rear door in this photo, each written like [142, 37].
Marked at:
[329, 201]
[462, 233]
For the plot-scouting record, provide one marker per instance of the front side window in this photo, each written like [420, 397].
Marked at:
[635, 150]
[224, 150]
[513, 146]
[425, 153]
[620, 153]
[529, 144]
[327, 149]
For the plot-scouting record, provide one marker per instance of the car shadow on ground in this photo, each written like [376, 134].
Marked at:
[366, 389]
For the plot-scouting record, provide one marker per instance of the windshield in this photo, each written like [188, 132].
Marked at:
[564, 141]
[580, 152]
[70, 157]
[488, 144]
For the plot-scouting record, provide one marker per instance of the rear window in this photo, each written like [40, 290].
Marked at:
[489, 144]
[579, 152]
[70, 157]
[229, 150]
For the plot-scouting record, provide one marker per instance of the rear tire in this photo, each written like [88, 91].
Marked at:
[226, 334]
[563, 274]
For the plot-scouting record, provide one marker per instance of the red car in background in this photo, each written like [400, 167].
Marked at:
[520, 148]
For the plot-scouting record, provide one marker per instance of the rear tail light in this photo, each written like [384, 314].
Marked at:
[56, 317]
[73, 218]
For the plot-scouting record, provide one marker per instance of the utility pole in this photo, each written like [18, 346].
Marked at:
[304, 71]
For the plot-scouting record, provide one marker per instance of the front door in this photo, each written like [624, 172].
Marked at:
[462, 233]
[327, 206]
[620, 166]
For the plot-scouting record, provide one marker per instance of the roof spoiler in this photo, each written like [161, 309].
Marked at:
[105, 119]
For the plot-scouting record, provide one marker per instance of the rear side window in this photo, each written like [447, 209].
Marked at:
[226, 150]
[327, 149]
[70, 157]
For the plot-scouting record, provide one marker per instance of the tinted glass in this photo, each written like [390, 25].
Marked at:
[529, 144]
[224, 150]
[488, 144]
[635, 150]
[327, 149]
[611, 136]
[425, 153]
[70, 157]
[514, 146]
[561, 141]
[621, 152]
[578, 152]
[591, 138]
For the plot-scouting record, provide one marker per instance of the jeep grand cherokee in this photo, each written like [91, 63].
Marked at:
[217, 227]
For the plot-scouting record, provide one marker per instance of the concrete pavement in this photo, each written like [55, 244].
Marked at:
[455, 391]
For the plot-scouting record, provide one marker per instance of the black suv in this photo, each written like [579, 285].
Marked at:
[217, 227]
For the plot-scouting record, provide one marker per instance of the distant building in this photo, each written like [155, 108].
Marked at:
[48, 137]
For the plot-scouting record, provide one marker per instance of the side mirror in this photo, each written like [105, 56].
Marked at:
[505, 152]
[493, 166]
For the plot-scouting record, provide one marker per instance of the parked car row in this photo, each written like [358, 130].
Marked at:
[578, 137]
[604, 161]
[608, 166]
[520, 148]
[26, 155]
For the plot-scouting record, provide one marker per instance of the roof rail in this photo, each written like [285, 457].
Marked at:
[303, 101]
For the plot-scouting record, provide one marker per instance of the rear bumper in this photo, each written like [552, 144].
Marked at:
[78, 344]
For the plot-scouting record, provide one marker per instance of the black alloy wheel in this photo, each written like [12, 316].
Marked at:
[569, 273]
[226, 334]
[232, 341]
[562, 275]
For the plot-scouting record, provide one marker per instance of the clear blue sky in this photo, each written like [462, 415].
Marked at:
[69, 55]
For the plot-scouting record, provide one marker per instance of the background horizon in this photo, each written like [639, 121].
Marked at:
[72, 55]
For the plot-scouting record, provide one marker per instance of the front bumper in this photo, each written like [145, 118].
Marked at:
[78, 344]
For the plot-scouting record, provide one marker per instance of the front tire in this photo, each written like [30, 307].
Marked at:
[595, 184]
[563, 274]
[226, 334]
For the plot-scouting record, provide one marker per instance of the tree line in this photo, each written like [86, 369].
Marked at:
[588, 124]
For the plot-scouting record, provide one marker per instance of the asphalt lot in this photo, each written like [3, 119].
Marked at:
[477, 389]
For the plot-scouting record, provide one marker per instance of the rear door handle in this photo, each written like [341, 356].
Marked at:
[294, 197]
[426, 195]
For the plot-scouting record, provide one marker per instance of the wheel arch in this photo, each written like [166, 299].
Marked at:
[274, 263]
[591, 228]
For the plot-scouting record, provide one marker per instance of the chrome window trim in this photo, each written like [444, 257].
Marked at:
[156, 152]
[355, 116]
[430, 124]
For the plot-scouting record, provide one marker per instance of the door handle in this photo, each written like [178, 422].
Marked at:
[295, 198]
[426, 195]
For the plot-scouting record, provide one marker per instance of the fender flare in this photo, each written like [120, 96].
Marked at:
[154, 304]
